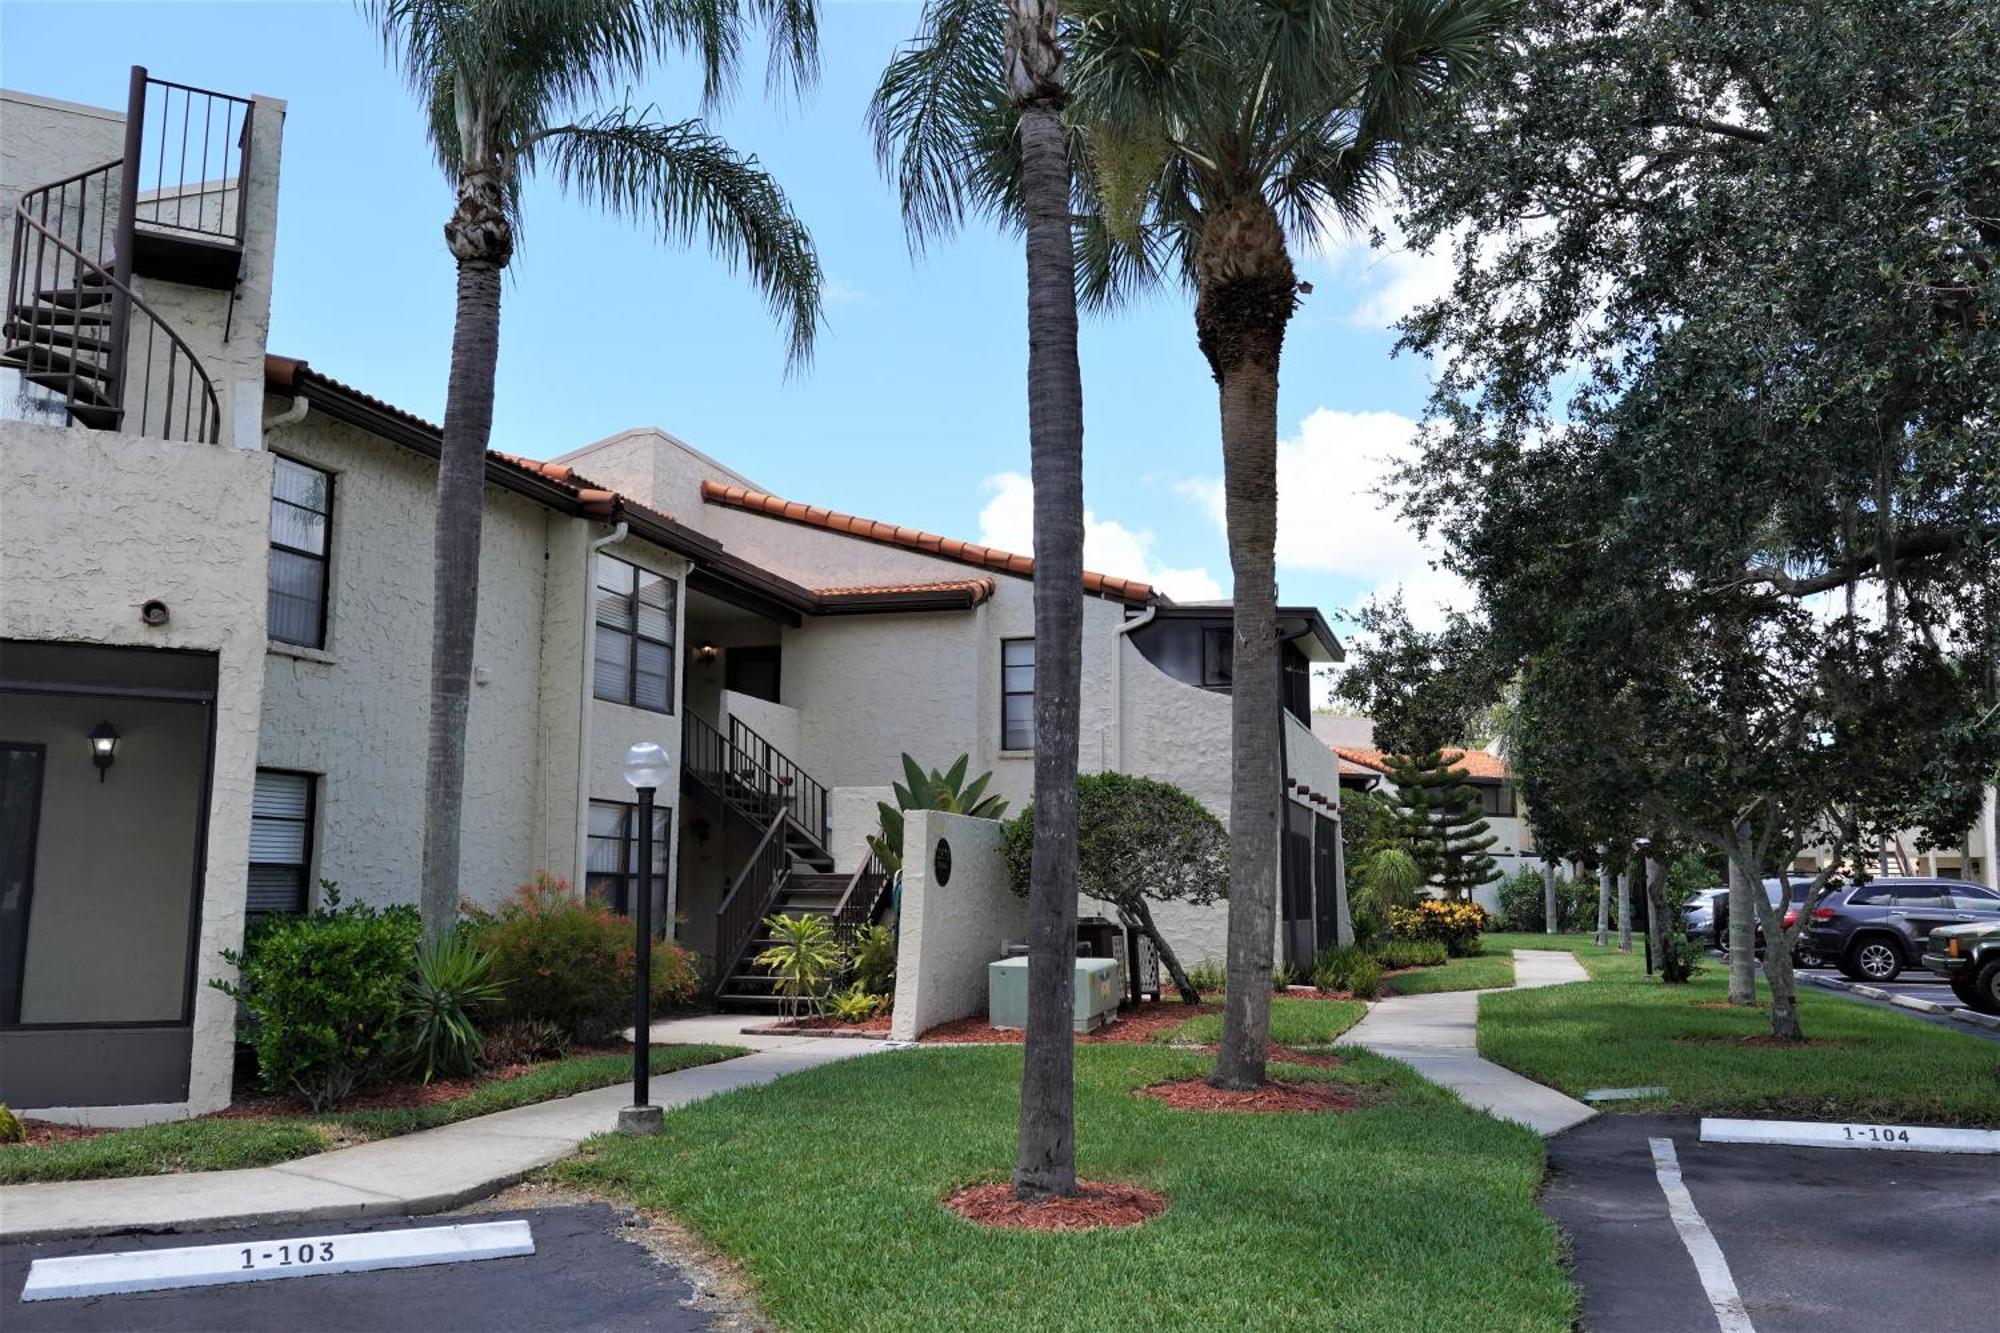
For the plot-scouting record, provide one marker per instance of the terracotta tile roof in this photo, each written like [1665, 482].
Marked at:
[978, 589]
[912, 539]
[1482, 764]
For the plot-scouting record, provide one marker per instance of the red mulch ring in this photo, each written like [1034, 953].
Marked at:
[1292, 1055]
[1764, 1039]
[42, 1133]
[1308, 993]
[1096, 1203]
[1723, 1004]
[1139, 1023]
[1278, 1095]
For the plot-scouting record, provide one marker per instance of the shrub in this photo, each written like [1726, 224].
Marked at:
[1348, 968]
[1410, 953]
[1209, 977]
[451, 981]
[563, 959]
[857, 1005]
[10, 1127]
[804, 956]
[1456, 925]
[1522, 906]
[1283, 977]
[873, 958]
[523, 1042]
[324, 993]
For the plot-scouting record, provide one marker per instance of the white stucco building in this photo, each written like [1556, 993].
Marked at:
[215, 577]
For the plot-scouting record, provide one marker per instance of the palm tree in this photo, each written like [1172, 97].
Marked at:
[969, 116]
[513, 85]
[1220, 133]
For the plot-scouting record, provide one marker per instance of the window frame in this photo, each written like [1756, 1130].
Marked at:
[309, 842]
[1218, 672]
[628, 846]
[1006, 694]
[598, 593]
[324, 558]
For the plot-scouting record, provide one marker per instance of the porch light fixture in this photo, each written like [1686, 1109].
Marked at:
[647, 770]
[706, 653]
[103, 747]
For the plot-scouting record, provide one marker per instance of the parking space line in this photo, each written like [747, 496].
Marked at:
[1709, 1265]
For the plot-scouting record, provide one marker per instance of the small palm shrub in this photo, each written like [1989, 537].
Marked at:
[858, 1005]
[566, 960]
[450, 983]
[324, 995]
[1410, 953]
[1209, 977]
[1284, 976]
[804, 957]
[10, 1127]
[1347, 968]
[873, 960]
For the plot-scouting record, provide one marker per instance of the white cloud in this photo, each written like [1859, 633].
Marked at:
[837, 291]
[1331, 521]
[1389, 283]
[1109, 547]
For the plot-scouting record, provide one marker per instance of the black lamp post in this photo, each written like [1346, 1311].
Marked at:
[647, 770]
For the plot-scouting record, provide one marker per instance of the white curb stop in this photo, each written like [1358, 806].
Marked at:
[1977, 1019]
[1813, 1134]
[1921, 1006]
[77, 1275]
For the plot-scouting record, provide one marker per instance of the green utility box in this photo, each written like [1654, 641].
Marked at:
[1099, 983]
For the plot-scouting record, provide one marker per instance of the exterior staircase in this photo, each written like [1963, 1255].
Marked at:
[89, 351]
[741, 777]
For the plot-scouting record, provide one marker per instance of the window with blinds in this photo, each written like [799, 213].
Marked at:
[281, 816]
[1017, 694]
[301, 518]
[611, 857]
[636, 610]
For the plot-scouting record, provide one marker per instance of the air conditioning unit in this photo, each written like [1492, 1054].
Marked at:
[1098, 985]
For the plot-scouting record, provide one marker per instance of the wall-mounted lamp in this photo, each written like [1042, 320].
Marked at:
[103, 747]
[706, 653]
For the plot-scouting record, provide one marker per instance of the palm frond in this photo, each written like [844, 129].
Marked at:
[940, 117]
[692, 185]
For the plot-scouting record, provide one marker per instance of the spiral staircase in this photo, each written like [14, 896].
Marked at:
[89, 351]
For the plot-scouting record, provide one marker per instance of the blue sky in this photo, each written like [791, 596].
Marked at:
[914, 409]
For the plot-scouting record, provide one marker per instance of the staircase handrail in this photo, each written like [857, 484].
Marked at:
[784, 778]
[750, 898]
[861, 901]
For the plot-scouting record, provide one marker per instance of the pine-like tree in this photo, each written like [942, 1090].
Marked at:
[1438, 817]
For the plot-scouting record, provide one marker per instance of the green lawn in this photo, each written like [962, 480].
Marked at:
[1415, 1214]
[1492, 966]
[1602, 963]
[1293, 1023]
[1625, 1031]
[221, 1144]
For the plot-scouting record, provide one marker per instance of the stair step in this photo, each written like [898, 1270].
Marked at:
[44, 314]
[62, 337]
[71, 298]
[46, 359]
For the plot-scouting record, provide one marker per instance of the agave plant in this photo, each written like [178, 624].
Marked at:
[805, 957]
[448, 984]
[947, 791]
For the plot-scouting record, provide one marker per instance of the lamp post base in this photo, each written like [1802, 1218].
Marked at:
[639, 1119]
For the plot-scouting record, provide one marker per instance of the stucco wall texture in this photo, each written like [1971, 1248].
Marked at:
[191, 523]
[950, 930]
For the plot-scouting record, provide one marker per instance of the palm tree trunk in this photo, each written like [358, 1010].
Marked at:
[1549, 897]
[1744, 886]
[479, 237]
[1045, 1158]
[1604, 900]
[1247, 292]
[1625, 908]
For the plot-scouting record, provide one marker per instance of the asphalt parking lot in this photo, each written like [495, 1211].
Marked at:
[1813, 1240]
[585, 1273]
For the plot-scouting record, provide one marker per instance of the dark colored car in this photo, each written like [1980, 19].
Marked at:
[1717, 914]
[1875, 930]
[1968, 956]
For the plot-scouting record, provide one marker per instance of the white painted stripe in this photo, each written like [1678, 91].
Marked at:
[1709, 1265]
[261, 1260]
[1881, 1138]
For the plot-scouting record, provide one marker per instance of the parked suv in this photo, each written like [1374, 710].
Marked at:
[1875, 930]
[1968, 956]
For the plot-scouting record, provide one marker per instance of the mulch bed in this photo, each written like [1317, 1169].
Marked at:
[1278, 1095]
[1097, 1203]
[1764, 1039]
[1139, 1023]
[42, 1133]
[825, 1025]
[401, 1096]
[1723, 1004]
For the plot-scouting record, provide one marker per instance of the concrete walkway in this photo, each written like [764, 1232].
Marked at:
[1438, 1036]
[426, 1172]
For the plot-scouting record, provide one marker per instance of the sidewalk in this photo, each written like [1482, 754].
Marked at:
[426, 1172]
[1438, 1036]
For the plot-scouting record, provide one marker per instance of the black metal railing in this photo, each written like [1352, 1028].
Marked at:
[750, 899]
[805, 796]
[191, 159]
[99, 355]
[862, 901]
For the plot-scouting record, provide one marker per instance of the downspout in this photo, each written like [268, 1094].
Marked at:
[292, 415]
[1139, 621]
[579, 841]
